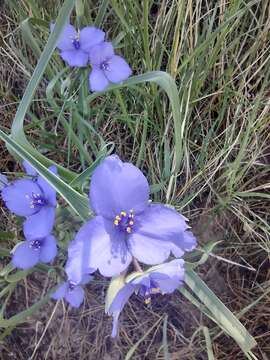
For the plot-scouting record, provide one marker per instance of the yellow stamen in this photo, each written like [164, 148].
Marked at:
[131, 222]
[155, 290]
[118, 218]
[147, 301]
[128, 229]
[123, 213]
[116, 222]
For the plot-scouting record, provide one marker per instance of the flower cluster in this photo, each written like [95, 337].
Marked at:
[128, 230]
[163, 279]
[88, 46]
[34, 199]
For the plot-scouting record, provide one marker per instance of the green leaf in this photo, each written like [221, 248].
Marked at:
[208, 343]
[165, 339]
[18, 275]
[22, 316]
[4, 252]
[17, 126]
[6, 270]
[219, 312]
[166, 82]
[116, 284]
[206, 251]
[133, 276]
[101, 13]
[78, 202]
[4, 235]
[85, 175]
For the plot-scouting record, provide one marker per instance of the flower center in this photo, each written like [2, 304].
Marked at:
[36, 244]
[147, 292]
[125, 221]
[105, 66]
[76, 43]
[37, 200]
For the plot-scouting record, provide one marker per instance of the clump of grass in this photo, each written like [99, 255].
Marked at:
[218, 54]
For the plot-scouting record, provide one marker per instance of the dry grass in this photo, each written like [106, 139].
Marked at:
[60, 332]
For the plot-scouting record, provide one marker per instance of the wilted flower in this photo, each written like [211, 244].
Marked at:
[35, 199]
[106, 67]
[70, 291]
[126, 224]
[31, 252]
[75, 46]
[162, 279]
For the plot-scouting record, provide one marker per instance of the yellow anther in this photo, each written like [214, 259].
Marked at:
[147, 301]
[118, 218]
[123, 213]
[131, 222]
[116, 222]
[155, 290]
[128, 229]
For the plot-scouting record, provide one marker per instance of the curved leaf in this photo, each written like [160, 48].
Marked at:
[17, 132]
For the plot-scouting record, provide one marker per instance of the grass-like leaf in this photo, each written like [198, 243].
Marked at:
[219, 312]
[17, 126]
[78, 202]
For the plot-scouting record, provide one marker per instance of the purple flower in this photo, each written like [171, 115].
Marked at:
[73, 293]
[31, 252]
[75, 46]
[126, 224]
[106, 67]
[161, 279]
[35, 199]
